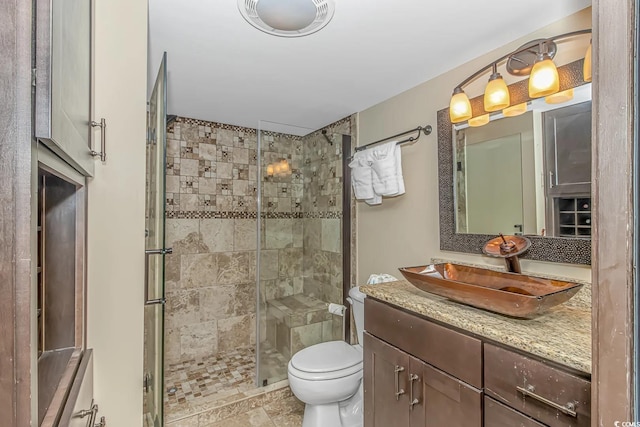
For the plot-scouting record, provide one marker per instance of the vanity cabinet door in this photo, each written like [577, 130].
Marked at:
[447, 401]
[386, 401]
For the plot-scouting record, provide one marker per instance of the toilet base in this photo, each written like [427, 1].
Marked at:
[321, 415]
[347, 413]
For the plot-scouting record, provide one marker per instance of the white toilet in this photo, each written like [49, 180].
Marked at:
[327, 377]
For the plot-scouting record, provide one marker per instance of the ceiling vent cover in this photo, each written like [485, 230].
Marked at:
[287, 18]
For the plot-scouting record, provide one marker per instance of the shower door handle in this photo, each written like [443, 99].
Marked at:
[148, 253]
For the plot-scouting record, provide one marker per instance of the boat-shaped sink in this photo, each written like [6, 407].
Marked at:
[513, 294]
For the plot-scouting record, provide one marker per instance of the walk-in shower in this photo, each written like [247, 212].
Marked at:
[259, 222]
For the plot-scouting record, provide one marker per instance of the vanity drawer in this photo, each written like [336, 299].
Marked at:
[498, 415]
[452, 352]
[543, 392]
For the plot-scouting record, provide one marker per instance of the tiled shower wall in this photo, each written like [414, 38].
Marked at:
[212, 175]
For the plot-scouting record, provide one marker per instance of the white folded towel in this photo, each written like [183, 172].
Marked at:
[387, 169]
[374, 279]
[362, 178]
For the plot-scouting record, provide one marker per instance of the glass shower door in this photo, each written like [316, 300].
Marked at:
[154, 252]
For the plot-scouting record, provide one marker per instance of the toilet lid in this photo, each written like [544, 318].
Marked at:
[327, 357]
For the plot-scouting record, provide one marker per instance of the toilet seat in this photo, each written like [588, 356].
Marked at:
[325, 361]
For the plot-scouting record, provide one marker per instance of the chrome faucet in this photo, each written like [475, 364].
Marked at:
[509, 248]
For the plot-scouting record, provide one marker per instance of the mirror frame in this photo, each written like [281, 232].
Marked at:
[550, 249]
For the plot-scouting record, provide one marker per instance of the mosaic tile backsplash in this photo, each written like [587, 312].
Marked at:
[211, 208]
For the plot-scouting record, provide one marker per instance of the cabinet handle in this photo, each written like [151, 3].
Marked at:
[399, 391]
[103, 140]
[414, 401]
[568, 409]
[551, 180]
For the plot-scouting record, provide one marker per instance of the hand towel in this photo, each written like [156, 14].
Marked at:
[374, 279]
[387, 169]
[362, 178]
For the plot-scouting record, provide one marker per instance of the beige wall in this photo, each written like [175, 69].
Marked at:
[404, 231]
[116, 211]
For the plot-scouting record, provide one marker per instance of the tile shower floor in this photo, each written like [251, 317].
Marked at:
[195, 386]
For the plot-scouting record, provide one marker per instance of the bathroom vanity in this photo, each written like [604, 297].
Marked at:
[430, 361]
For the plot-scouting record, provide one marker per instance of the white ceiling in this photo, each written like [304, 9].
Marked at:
[222, 69]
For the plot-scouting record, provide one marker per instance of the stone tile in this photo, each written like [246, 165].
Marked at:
[179, 229]
[189, 202]
[198, 339]
[235, 332]
[244, 236]
[288, 406]
[172, 345]
[217, 234]
[206, 186]
[241, 155]
[225, 301]
[173, 147]
[269, 264]
[290, 262]
[290, 420]
[191, 421]
[189, 167]
[198, 270]
[207, 151]
[182, 308]
[312, 233]
[305, 336]
[224, 170]
[298, 233]
[279, 233]
[331, 235]
[235, 268]
[240, 187]
[173, 183]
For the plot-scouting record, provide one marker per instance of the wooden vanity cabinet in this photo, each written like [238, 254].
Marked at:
[401, 388]
[419, 373]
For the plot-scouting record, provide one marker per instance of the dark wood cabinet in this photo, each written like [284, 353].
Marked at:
[385, 384]
[418, 373]
[401, 390]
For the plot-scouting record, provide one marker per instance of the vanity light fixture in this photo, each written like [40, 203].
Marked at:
[279, 168]
[459, 107]
[515, 110]
[479, 120]
[544, 78]
[496, 93]
[560, 97]
[534, 59]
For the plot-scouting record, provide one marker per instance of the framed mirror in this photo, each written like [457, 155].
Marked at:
[527, 175]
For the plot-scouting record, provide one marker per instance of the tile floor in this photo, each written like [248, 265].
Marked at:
[219, 390]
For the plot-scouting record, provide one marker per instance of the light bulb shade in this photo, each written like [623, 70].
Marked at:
[544, 79]
[459, 107]
[515, 110]
[560, 97]
[496, 95]
[479, 121]
[586, 68]
[270, 170]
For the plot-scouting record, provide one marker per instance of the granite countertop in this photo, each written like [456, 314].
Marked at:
[562, 334]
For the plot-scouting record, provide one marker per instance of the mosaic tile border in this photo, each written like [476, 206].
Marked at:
[249, 215]
[253, 131]
[551, 249]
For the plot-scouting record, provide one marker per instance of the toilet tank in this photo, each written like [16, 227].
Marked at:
[357, 304]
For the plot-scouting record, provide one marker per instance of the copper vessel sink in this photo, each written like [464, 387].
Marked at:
[512, 294]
